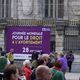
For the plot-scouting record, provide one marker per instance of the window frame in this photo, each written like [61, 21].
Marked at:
[49, 9]
[5, 9]
[57, 10]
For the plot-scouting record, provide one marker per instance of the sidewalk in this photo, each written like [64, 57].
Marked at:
[72, 76]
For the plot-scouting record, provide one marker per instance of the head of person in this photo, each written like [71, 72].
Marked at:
[55, 53]
[27, 63]
[11, 50]
[46, 59]
[70, 51]
[41, 53]
[40, 61]
[43, 73]
[35, 55]
[58, 64]
[51, 55]
[11, 72]
[61, 55]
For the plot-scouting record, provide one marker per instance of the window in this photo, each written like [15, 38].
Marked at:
[48, 8]
[5, 8]
[60, 8]
[71, 38]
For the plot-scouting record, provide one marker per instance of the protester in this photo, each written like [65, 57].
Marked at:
[55, 55]
[10, 56]
[40, 62]
[64, 63]
[34, 55]
[11, 72]
[51, 60]
[34, 59]
[3, 63]
[70, 59]
[43, 73]
[27, 69]
[57, 74]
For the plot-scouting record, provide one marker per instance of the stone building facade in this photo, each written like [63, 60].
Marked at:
[61, 15]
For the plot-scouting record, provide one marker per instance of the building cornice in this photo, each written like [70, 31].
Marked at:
[30, 22]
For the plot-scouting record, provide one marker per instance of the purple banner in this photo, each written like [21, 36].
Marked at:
[24, 39]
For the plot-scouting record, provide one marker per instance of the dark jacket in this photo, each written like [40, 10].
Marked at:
[70, 57]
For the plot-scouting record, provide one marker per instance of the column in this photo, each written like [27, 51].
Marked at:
[59, 38]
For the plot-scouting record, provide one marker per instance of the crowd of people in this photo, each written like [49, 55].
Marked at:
[40, 67]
